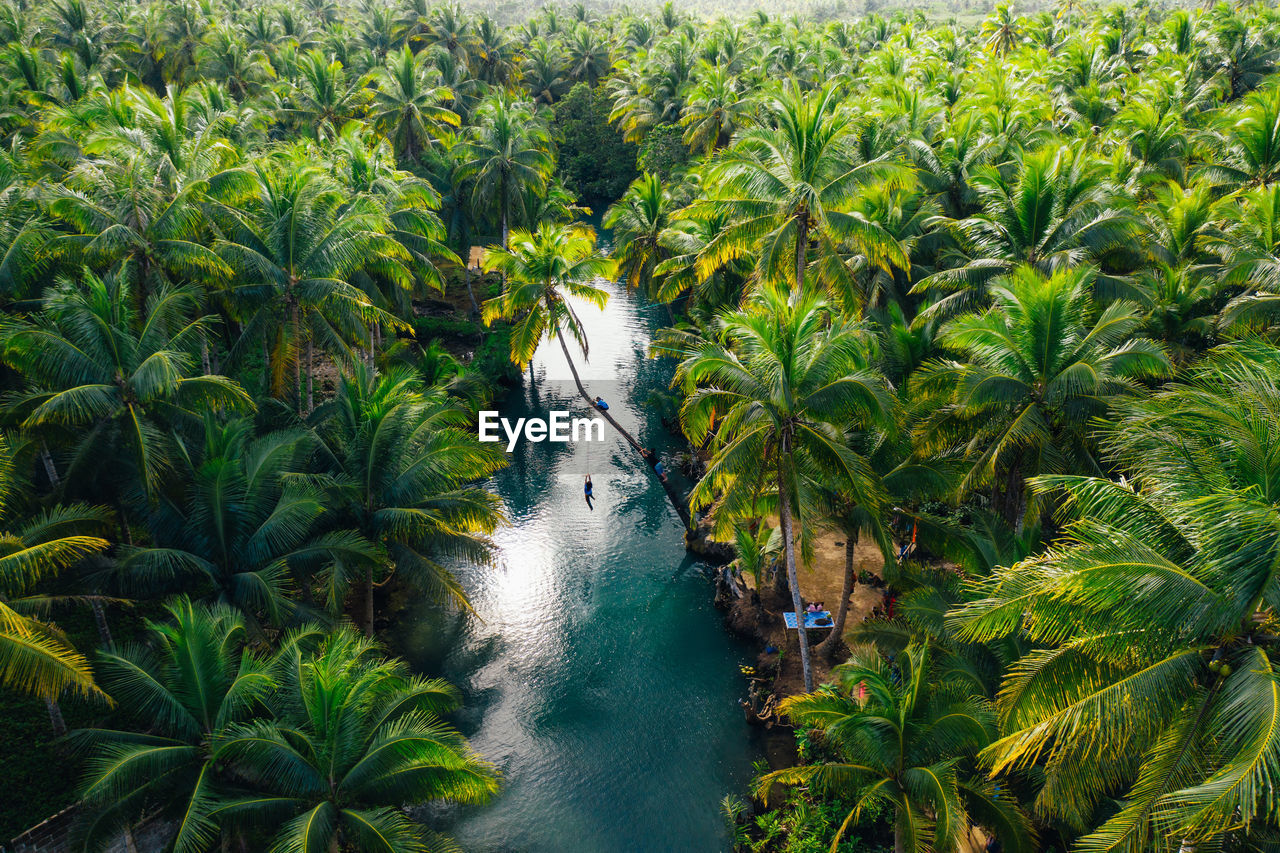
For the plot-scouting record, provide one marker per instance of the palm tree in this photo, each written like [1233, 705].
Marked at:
[35, 657]
[357, 740]
[685, 241]
[113, 382]
[903, 735]
[637, 221]
[401, 476]
[1001, 30]
[507, 151]
[323, 100]
[1248, 242]
[123, 209]
[1151, 670]
[295, 249]
[1032, 371]
[542, 270]
[587, 54]
[188, 685]
[407, 108]
[717, 107]
[774, 395]
[244, 526]
[1055, 213]
[789, 185]
[544, 71]
[1248, 149]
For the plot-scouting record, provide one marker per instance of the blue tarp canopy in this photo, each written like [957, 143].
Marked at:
[821, 619]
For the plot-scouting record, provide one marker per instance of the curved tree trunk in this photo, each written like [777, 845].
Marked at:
[829, 646]
[789, 550]
[677, 501]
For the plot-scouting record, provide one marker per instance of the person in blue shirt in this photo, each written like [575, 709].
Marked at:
[601, 404]
[586, 487]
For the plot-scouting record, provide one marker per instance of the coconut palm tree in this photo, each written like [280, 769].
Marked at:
[903, 736]
[243, 529]
[122, 209]
[1001, 30]
[789, 185]
[295, 248]
[717, 107]
[1030, 373]
[357, 740]
[1248, 149]
[35, 657]
[113, 383]
[900, 481]
[507, 151]
[1147, 626]
[1056, 212]
[637, 221]
[401, 468]
[187, 686]
[543, 270]
[1248, 242]
[774, 394]
[322, 99]
[407, 108]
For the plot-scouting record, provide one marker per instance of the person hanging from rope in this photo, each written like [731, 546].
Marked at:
[586, 486]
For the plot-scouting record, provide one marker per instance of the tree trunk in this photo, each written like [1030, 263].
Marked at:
[466, 278]
[802, 250]
[50, 470]
[368, 602]
[898, 841]
[104, 630]
[677, 501]
[297, 356]
[55, 717]
[505, 233]
[311, 372]
[829, 646]
[130, 845]
[789, 549]
[125, 533]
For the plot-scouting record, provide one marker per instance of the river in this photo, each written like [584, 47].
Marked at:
[596, 672]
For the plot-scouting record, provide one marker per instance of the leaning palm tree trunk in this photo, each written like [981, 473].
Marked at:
[789, 550]
[677, 501]
[830, 644]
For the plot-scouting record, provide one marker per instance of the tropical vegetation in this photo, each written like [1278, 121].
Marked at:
[996, 294]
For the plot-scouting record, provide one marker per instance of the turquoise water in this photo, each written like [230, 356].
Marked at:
[596, 672]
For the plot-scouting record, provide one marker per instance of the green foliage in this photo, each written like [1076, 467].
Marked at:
[1002, 289]
[803, 823]
[663, 151]
[595, 161]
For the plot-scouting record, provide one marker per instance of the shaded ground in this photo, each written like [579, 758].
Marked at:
[821, 580]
